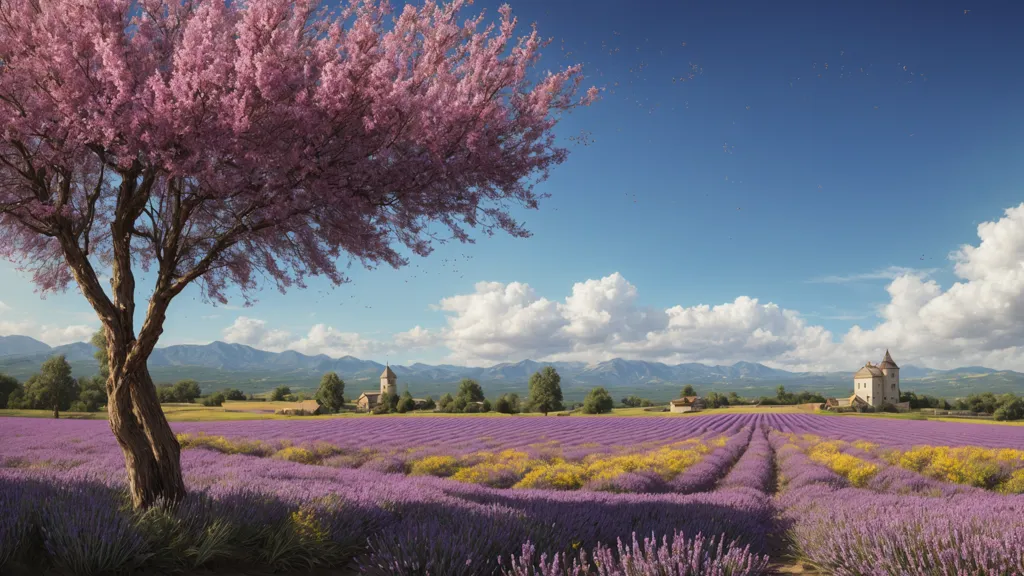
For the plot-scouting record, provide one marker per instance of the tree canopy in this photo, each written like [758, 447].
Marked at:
[53, 388]
[598, 401]
[221, 143]
[8, 384]
[545, 390]
[470, 391]
[331, 393]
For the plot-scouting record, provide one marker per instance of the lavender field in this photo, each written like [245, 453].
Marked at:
[727, 494]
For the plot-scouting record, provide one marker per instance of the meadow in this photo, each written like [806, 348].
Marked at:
[728, 494]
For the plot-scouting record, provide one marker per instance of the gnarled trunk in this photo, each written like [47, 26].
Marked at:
[151, 451]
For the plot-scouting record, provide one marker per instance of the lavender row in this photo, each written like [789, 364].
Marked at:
[258, 505]
[705, 474]
[675, 556]
[899, 433]
[850, 531]
[755, 469]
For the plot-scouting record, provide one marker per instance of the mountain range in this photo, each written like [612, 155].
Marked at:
[220, 364]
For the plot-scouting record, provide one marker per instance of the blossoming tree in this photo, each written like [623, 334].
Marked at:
[217, 143]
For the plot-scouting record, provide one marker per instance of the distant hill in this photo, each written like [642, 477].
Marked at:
[220, 364]
[21, 345]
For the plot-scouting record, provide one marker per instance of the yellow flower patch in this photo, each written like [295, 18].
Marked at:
[562, 476]
[296, 454]
[858, 472]
[442, 466]
[970, 465]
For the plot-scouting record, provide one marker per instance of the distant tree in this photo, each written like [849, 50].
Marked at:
[598, 401]
[514, 402]
[734, 399]
[331, 393]
[165, 393]
[644, 403]
[8, 384]
[689, 391]
[1011, 409]
[545, 391]
[485, 406]
[460, 404]
[502, 405]
[279, 393]
[233, 394]
[406, 403]
[387, 404]
[99, 340]
[91, 400]
[216, 399]
[781, 395]
[470, 390]
[429, 404]
[716, 400]
[186, 391]
[53, 388]
[16, 399]
[445, 402]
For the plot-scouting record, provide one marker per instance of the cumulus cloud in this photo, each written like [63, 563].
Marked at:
[52, 335]
[976, 321]
[255, 333]
[323, 339]
[601, 319]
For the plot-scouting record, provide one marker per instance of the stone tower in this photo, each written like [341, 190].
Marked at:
[890, 380]
[388, 381]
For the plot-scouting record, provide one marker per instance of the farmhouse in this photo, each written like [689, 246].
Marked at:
[851, 402]
[687, 404]
[304, 407]
[388, 385]
[878, 385]
[874, 385]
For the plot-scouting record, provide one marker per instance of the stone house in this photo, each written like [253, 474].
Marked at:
[687, 404]
[878, 385]
[308, 407]
[388, 385]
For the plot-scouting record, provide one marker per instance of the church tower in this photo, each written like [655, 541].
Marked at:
[890, 380]
[388, 381]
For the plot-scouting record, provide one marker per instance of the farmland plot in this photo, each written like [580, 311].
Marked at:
[522, 496]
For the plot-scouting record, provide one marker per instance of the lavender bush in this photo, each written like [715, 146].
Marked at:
[674, 556]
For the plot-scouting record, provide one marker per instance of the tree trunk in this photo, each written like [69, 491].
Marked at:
[56, 411]
[151, 451]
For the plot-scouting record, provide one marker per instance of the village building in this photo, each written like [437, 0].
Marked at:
[687, 404]
[874, 385]
[878, 385]
[306, 407]
[388, 385]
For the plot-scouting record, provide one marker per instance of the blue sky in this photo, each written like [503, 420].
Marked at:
[820, 152]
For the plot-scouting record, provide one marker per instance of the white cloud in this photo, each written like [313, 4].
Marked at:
[890, 273]
[52, 335]
[253, 332]
[323, 339]
[976, 321]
